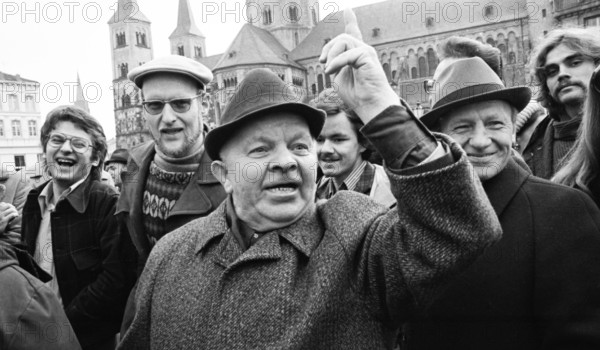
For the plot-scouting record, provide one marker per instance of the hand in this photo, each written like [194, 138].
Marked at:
[7, 213]
[359, 77]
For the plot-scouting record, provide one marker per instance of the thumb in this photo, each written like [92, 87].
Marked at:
[351, 24]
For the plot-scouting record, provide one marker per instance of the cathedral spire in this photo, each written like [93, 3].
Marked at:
[186, 25]
[127, 11]
[80, 100]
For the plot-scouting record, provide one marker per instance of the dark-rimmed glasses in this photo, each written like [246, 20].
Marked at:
[78, 144]
[179, 105]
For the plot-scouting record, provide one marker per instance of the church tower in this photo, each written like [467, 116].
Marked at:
[80, 100]
[186, 39]
[131, 46]
[289, 21]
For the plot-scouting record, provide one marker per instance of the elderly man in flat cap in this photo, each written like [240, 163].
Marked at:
[272, 269]
[539, 287]
[168, 181]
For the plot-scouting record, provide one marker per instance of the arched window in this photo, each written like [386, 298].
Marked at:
[267, 15]
[414, 73]
[422, 67]
[432, 60]
[198, 50]
[320, 82]
[293, 12]
[180, 50]
[327, 81]
[313, 89]
[512, 57]
[491, 42]
[388, 73]
[314, 15]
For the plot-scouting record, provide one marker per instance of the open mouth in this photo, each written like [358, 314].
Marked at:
[171, 131]
[65, 162]
[283, 188]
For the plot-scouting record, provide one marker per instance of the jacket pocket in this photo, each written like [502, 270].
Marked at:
[87, 259]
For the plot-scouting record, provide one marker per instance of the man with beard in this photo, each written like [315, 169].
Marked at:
[168, 181]
[563, 64]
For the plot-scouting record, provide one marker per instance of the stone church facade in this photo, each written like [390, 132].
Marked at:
[286, 36]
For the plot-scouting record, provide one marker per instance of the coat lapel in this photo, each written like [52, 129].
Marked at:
[503, 187]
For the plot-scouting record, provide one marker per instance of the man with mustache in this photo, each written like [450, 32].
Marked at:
[343, 154]
[563, 64]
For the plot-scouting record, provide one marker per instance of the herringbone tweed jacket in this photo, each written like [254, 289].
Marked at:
[345, 276]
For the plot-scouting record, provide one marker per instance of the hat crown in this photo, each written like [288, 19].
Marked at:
[461, 75]
[260, 89]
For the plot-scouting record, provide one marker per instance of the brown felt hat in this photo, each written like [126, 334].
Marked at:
[261, 92]
[470, 80]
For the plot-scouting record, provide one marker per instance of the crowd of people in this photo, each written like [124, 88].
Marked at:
[342, 222]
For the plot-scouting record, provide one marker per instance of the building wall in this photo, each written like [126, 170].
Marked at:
[19, 102]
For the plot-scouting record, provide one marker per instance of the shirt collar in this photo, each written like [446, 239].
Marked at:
[352, 179]
[47, 197]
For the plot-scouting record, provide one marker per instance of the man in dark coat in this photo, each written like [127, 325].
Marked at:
[539, 287]
[272, 269]
[168, 181]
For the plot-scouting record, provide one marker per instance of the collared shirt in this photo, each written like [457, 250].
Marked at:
[352, 179]
[43, 248]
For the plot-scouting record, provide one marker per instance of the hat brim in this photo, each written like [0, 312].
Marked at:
[217, 137]
[517, 97]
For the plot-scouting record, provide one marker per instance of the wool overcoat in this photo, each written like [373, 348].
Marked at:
[538, 288]
[344, 276]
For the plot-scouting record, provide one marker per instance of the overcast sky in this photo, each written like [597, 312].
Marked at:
[50, 42]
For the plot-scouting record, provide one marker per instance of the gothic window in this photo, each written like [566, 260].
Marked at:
[32, 126]
[16, 128]
[123, 70]
[320, 82]
[198, 51]
[293, 11]
[422, 67]
[386, 69]
[414, 73]
[180, 50]
[121, 39]
[13, 103]
[267, 15]
[1, 127]
[327, 81]
[432, 61]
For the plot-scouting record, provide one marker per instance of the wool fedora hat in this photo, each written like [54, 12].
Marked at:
[261, 92]
[120, 155]
[469, 80]
[172, 64]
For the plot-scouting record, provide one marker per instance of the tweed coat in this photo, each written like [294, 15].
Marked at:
[538, 288]
[344, 276]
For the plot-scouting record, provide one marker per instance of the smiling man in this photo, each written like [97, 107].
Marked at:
[563, 64]
[273, 269]
[70, 229]
[539, 286]
[168, 181]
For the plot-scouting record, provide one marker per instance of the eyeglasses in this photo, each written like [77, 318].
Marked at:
[179, 105]
[78, 144]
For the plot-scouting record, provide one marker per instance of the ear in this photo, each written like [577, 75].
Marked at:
[219, 170]
[361, 149]
[95, 162]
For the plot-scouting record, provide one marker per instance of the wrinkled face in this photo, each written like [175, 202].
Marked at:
[269, 168]
[115, 169]
[338, 148]
[484, 130]
[64, 164]
[568, 74]
[177, 134]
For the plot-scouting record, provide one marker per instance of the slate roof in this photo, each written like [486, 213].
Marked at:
[129, 10]
[185, 21]
[9, 77]
[398, 20]
[210, 61]
[253, 45]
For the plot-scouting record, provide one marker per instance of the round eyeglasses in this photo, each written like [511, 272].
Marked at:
[179, 105]
[78, 144]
